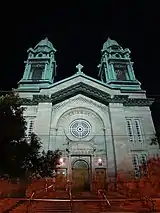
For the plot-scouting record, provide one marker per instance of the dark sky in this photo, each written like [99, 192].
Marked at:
[78, 33]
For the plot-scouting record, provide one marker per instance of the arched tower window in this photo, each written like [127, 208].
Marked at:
[121, 72]
[37, 71]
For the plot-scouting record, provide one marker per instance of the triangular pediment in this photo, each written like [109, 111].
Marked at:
[81, 84]
[80, 88]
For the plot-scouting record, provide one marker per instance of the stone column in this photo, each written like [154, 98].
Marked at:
[45, 74]
[27, 71]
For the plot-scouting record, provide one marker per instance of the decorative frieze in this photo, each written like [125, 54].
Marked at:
[79, 99]
[81, 152]
[89, 91]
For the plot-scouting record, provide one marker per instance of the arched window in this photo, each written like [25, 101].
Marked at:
[80, 164]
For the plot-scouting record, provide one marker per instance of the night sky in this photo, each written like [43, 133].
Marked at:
[78, 33]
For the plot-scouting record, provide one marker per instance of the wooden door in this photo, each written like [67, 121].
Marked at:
[101, 178]
[61, 179]
[80, 176]
[80, 179]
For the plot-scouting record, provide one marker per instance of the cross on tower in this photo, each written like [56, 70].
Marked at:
[79, 67]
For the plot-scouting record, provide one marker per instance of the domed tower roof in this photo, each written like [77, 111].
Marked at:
[45, 43]
[109, 43]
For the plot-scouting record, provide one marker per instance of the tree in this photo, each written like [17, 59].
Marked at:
[147, 184]
[21, 156]
[12, 129]
[48, 162]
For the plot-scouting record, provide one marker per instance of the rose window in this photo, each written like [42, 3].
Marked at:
[80, 128]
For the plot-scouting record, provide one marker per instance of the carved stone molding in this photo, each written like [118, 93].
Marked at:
[79, 99]
[80, 111]
[89, 91]
[81, 149]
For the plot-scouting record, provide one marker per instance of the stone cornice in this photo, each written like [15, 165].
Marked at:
[89, 91]
[138, 102]
[83, 89]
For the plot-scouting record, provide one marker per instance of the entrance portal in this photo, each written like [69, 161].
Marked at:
[80, 175]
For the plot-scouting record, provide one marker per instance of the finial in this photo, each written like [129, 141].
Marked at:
[79, 67]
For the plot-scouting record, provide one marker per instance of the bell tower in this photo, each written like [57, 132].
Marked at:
[40, 68]
[116, 68]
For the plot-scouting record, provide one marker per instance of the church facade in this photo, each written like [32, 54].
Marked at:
[102, 127]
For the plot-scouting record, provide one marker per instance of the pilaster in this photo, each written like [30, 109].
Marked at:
[120, 138]
[42, 125]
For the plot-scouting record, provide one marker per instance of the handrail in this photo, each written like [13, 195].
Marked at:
[29, 203]
[48, 187]
[106, 198]
[100, 192]
[70, 195]
[34, 192]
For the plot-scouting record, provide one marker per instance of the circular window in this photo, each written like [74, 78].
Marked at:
[80, 128]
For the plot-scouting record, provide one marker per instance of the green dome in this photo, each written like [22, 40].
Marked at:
[45, 43]
[109, 43]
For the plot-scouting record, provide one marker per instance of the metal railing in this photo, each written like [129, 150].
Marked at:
[35, 192]
[101, 192]
[29, 202]
[51, 186]
[105, 199]
[68, 187]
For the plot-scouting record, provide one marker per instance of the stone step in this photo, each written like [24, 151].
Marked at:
[21, 208]
[44, 206]
[111, 195]
[6, 203]
[81, 207]
[85, 195]
[52, 194]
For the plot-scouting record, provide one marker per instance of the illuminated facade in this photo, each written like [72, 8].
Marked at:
[101, 126]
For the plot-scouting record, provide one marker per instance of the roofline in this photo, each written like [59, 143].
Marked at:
[94, 80]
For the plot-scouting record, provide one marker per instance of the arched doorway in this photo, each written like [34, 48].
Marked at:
[80, 175]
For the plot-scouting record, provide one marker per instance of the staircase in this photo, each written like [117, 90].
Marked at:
[119, 203]
[58, 201]
[47, 200]
[83, 202]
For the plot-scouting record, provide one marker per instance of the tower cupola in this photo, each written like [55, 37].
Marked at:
[116, 68]
[40, 69]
